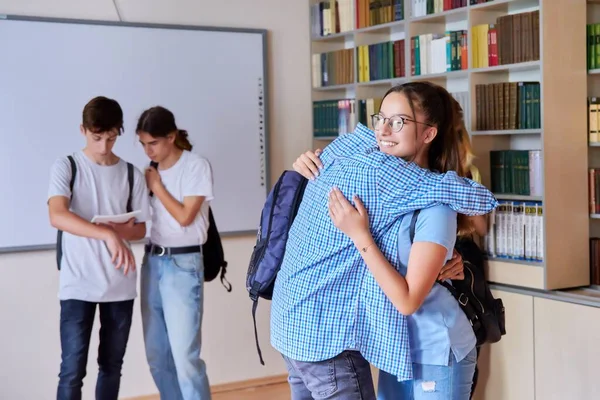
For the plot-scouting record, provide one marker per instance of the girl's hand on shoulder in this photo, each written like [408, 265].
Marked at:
[354, 222]
[308, 164]
[152, 179]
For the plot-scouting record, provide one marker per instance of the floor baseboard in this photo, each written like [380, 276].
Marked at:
[231, 387]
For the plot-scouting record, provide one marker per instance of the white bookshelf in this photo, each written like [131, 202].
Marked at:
[563, 94]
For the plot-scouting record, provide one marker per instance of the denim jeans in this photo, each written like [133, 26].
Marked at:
[346, 376]
[432, 382]
[76, 322]
[171, 301]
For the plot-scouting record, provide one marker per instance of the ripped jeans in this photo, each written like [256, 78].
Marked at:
[432, 382]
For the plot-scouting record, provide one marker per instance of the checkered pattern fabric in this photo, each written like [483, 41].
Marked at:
[325, 300]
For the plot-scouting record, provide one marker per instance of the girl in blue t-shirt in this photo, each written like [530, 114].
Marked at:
[417, 121]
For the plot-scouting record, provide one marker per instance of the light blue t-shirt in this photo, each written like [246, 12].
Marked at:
[439, 325]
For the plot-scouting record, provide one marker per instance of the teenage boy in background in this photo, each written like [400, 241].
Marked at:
[97, 267]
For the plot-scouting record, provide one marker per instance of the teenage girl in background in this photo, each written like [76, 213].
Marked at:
[173, 271]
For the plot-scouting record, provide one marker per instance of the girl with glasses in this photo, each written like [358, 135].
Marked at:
[421, 123]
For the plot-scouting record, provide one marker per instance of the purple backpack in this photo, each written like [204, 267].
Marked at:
[276, 218]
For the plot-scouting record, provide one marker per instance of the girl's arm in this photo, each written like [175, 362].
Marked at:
[130, 230]
[184, 213]
[425, 261]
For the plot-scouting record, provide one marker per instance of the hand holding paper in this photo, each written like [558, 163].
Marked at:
[123, 225]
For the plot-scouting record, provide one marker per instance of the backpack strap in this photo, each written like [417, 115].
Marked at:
[153, 164]
[73, 173]
[130, 180]
[59, 234]
[223, 279]
[212, 230]
[413, 224]
[254, 305]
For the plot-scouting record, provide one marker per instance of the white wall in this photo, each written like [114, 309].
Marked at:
[29, 309]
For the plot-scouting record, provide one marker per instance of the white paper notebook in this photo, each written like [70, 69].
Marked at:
[117, 219]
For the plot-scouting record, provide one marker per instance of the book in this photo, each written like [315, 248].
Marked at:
[117, 219]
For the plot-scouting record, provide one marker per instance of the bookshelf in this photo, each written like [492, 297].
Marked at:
[593, 90]
[484, 79]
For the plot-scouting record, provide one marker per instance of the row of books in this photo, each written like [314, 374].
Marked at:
[512, 39]
[508, 105]
[436, 53]
[334, 117]
[593, 46]
[593, 119]
[329, 17]
[430, 54]
[377, 12]
[381, 61]
[594, 190]
[595, 261]
[421, 8]
[333, 68]
[515, 231]
[516, 172]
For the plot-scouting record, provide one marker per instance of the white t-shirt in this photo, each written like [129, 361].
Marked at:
[87, 272]
[190, 176]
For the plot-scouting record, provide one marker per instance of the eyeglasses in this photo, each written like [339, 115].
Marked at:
[396, 123]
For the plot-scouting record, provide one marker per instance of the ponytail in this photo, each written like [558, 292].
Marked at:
[445, 151]
[181, 140]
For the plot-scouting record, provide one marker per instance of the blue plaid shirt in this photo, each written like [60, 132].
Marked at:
[325, 300]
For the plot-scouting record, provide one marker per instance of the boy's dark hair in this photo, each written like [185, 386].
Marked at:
[102, 114]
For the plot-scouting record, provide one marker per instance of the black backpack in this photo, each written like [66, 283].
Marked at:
[484, 312]
[212, 251]
[59, 234]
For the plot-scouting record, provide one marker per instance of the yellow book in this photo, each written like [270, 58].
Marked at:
[366, 62]
[363, 68]
[483, 45]
[474, 50]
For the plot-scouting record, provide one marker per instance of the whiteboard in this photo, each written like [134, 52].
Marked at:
[213, 79]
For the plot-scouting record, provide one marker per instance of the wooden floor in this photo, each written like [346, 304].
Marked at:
[271, 388]
[276, 391]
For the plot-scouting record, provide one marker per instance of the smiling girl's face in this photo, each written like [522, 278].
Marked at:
[405, 138]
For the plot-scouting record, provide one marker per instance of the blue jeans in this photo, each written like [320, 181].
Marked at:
[171, 301]
[346, 376]
[432, 382]
[76, 322]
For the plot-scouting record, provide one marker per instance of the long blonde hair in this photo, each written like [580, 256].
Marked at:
[466, 159]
